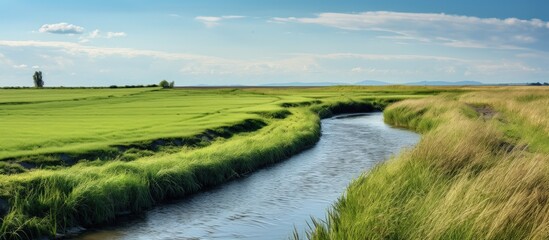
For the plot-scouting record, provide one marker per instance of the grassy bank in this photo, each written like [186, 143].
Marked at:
[481, 171]
[45, 202]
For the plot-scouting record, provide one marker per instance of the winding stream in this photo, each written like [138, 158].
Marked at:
[270, 202]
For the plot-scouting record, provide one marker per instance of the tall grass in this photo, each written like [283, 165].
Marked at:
[470, 177]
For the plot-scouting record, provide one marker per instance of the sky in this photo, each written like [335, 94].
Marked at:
[250, 42]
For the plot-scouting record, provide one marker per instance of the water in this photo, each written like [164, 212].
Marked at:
[270, 202]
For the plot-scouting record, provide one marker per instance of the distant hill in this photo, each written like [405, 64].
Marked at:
[444, 83]
[372, 83]
[361, 83]
[301, 84]
[304, 84]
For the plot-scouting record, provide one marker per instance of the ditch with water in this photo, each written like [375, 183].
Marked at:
[272, 202]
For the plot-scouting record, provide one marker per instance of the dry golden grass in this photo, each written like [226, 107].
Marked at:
[481, 171]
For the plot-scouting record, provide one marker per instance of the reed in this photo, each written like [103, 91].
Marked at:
[476, 173]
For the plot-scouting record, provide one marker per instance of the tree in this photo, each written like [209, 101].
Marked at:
[38, 82]
[164, 84]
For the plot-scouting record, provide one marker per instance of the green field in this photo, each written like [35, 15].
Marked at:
[36, 122]
[81, 157]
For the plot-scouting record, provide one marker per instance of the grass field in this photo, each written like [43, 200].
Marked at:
[80, 120]
[73, 157]
[480, 171]
[80, 157]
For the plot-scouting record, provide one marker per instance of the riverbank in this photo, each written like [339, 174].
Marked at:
[270, 203]
[47, 202]
[481, 171]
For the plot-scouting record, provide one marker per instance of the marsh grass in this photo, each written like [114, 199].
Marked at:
[468, 178]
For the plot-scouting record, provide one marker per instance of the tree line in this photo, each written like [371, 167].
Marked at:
[39, 83]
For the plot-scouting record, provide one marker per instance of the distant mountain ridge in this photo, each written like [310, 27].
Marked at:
[372, 83]
[376, 83]
[445, 83]
[302, 84]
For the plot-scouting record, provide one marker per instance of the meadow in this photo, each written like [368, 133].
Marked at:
[81, 157]
[480, 171]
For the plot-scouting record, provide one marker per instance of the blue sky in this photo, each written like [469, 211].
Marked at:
[91, 43]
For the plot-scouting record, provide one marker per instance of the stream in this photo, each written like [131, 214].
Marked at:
[271, 202]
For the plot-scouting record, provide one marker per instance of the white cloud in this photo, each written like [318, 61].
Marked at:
[35, 67]
[357, 70]
[383, 57]
[294, 63]
[497, 68]
[5, 60]
[210, 21]
[20, 66]
[75, 48]
[439, 28]
[94, 34]
[115, 34]
[462, 44]
[97, 34]
[385, 71]
[191, 63]
[8, 62]
[232, 17]
[61, 28]
[445, 65]
[372, 20]
[525, 38]
[56, 61]
[64, 55]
